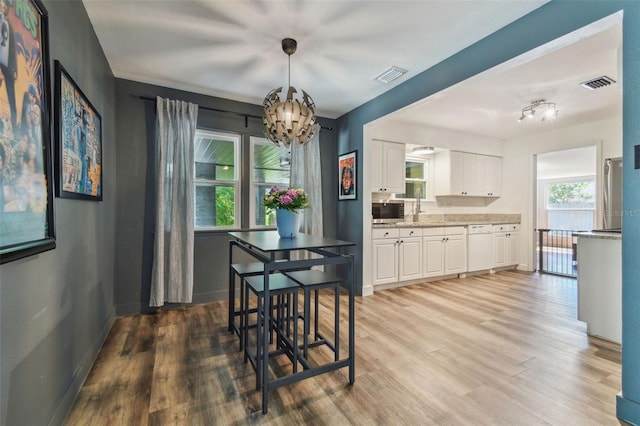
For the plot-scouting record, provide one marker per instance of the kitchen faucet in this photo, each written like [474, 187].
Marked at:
[416, 215]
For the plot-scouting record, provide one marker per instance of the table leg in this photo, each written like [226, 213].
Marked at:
[231, 289]
[352, 324]
[265, 341]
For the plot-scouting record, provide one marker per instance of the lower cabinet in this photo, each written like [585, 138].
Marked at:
[506, 239]
[444, 251]
[403, 254]
[410, 254]
[385, 255]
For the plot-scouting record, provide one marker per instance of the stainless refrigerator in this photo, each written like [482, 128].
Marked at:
[612, 193]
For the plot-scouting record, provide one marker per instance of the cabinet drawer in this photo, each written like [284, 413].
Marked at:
[410, 232]
[507, 227]
[432, 232]
[455, 230]
[385, 233]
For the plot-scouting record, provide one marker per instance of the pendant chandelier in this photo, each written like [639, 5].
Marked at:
[291, 120]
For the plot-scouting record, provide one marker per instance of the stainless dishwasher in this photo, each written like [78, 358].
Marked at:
[480, 248]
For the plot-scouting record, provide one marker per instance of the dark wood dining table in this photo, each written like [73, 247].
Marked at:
[275, 252]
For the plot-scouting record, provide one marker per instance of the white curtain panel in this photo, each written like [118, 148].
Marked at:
[306, 173]
[172, 279]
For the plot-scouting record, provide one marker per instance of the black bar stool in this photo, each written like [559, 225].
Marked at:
[314, 280]
[242, 270]
[284, 322]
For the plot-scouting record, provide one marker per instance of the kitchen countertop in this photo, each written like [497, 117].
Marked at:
[604, 235]
[435, 224]
[434, 220]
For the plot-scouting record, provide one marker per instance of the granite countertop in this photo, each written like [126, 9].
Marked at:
[603, 235]
[437, 220]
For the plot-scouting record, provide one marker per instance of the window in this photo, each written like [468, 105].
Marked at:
[270, 166]
[217, 184]
[570, 204]
[416, 178]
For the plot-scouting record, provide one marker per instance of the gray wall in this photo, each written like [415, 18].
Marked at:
[136, 203]
[56, 307]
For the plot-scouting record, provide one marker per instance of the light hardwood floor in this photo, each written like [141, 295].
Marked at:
[501, 349]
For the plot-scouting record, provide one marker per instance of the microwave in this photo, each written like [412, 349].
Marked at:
[389, 211]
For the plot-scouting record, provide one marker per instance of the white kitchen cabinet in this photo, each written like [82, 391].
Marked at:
[506, 241]
[444, 251]
[410, 254]
[388, 167]
[455, 257]
[385, 255]
[467, 174]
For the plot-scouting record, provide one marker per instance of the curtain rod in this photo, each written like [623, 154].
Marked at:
[241, 114]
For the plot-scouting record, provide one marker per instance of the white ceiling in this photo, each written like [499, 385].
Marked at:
[490, 104]
[232, 49]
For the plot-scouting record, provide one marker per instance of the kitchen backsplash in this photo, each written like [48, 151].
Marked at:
[466, 217]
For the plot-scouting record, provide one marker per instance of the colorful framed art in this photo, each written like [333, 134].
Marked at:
[347, 176]
[79, 141]
[26, 190]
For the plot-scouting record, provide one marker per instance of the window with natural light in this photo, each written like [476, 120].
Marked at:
[570, 204]
[270, 166]
[416, 179]
[217, 180]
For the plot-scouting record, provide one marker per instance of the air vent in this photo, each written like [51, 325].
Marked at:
[598, 83]
[390, 74]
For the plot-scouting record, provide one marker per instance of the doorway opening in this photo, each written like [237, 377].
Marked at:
[566, 203]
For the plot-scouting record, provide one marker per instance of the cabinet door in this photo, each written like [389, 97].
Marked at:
[385, 261]
[394, 167]
[376, 166]
[495, 176]
[433, 255]
[482, 176]
[513, 249]
[457, 173]
[500, 248]
[410, 257]
[455, 257]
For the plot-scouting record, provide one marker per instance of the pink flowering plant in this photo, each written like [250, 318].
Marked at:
[288, 199]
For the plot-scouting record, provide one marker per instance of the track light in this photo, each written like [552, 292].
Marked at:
[548, 110]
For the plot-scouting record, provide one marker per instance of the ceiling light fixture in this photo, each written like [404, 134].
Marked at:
[421, 150]
[548, 110]
[291, 120]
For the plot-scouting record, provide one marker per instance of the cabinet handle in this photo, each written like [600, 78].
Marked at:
[386, 233]
[411, 233]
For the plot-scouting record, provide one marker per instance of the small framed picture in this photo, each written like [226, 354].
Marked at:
[79, 145]
[347, 176]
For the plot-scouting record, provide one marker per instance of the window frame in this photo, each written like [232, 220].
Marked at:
[236, 138]
[428, 177]
[253, 141]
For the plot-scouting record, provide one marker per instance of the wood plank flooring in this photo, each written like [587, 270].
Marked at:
[502, 349]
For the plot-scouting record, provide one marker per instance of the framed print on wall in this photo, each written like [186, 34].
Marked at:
[347, 176]
[26, 190]
[79, 141]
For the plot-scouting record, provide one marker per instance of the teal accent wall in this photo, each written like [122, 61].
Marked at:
[553, 20]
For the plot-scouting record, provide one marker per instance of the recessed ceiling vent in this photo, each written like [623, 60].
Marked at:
[598, 83]
[390, 74]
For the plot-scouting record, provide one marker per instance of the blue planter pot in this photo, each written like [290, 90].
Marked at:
[288, 223]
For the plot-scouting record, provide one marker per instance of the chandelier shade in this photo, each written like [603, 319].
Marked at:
[290, 120]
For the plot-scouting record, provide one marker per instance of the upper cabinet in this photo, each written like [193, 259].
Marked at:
[466, 174]
[387, 162]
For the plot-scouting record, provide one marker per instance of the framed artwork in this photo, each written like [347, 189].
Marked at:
[26, 190]
[78, 128]
[347, 176]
